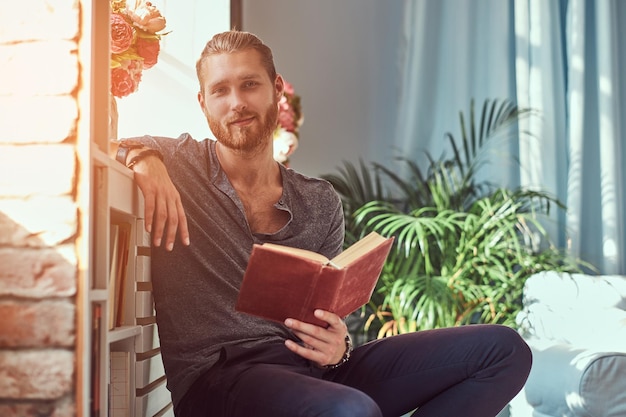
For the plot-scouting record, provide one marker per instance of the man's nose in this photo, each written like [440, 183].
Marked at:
[238, 102]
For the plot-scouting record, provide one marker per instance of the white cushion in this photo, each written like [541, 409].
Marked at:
[569, 382]
[582, 310]
[575, 325]
[567, 290]
[602, 328]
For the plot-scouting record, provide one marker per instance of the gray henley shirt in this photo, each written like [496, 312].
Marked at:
[195, 287]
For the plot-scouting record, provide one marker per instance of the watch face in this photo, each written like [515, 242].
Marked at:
[130, 144]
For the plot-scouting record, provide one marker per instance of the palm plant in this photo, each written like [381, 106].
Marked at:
[463, 247]
[357, 187]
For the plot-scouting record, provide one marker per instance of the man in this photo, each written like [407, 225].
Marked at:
[220, 197]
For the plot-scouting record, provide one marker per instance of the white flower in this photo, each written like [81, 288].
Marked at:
[285, 144]
[145, 16]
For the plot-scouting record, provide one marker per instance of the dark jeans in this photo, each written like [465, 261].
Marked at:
[469, 371]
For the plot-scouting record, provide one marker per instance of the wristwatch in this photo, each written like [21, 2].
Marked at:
[124, 146]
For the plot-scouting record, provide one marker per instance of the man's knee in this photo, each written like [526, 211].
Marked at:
[354, 403]
[516, 351]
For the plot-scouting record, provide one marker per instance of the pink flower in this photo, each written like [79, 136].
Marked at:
[135, 45]
[122, 34]
[146, 16]
[125, 78]
[286, 115]
[122, 83]
[148, 49]
[289, 90]
[290, 119]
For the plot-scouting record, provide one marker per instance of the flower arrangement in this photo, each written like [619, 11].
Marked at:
[135, 43]
[290, 118]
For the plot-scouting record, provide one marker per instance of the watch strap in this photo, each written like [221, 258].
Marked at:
[142, 155]
[124, 147]
[122, 154]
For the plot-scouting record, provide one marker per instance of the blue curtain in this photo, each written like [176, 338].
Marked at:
[564, 58]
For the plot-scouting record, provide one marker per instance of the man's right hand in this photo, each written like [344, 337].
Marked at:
[162, 204]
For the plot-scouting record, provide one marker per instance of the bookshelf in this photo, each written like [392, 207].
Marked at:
[127, 375]
[119, 366]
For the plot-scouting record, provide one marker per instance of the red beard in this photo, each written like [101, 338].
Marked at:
[247, 138]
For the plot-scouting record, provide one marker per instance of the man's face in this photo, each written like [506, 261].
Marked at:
[240, 101]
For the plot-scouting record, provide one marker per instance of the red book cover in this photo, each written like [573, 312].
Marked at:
[282, 282]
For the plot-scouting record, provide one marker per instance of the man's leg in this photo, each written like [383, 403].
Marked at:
[272, 381]
[469, 371]
[270, 390]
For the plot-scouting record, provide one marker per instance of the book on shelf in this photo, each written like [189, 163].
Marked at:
[281, 282]
[120, 234]
[121, 285]
[113, 262]
[96, 372]
[119, 392]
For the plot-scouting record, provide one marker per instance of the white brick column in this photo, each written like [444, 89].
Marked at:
[39, 219]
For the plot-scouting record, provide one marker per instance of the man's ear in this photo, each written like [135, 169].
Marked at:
[202, 104]
[279, 85]
[201, 100]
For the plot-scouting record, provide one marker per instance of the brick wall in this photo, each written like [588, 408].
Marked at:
[39, 78]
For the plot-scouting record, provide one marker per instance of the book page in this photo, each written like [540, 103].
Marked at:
[357, 250]
[302, 253]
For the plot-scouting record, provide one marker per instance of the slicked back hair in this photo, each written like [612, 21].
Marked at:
[236, 41]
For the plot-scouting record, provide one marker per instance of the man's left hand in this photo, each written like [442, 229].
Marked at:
[323, 346]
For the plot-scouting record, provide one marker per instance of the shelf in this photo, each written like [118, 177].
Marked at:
[122, 333]
[113, 198]
[98, 295]
[122, 190]
[99, 157]
[118, 201]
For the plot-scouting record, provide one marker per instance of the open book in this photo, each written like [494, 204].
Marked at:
[282, 282]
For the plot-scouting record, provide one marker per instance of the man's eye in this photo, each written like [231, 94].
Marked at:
[218, 91]
[250, 84]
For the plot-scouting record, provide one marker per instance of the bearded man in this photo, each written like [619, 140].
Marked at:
[207, 202]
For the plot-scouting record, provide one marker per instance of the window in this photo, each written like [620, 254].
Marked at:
[165, 103]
